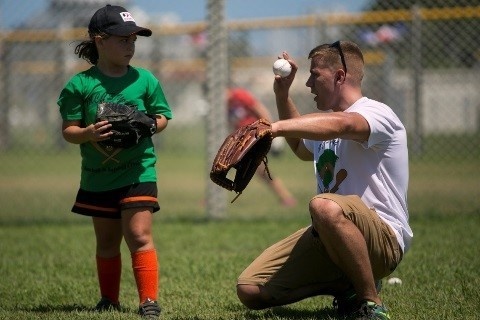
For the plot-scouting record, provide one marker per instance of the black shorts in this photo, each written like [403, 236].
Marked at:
[109, 204]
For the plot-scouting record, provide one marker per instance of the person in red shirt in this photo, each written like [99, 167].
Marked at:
[243, 109]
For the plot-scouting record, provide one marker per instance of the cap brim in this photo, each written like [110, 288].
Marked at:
[129, 30]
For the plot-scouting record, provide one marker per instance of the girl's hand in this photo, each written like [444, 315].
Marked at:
[99, 131]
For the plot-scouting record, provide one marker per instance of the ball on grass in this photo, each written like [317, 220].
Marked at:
[394, 281]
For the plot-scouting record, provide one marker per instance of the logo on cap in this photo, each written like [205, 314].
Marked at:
[126, 16]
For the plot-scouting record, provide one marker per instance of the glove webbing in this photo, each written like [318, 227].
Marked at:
[265, 162]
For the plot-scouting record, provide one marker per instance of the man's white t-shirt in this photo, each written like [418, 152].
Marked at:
[376, 170]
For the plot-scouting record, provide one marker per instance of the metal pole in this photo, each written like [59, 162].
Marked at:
[216, 85]
[5, 95]
[417, 80]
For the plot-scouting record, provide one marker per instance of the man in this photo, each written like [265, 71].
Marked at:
[360, 229]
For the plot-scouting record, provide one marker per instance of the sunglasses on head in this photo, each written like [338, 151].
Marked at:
[337, 45]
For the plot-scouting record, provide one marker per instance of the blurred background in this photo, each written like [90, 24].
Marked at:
[422, 59]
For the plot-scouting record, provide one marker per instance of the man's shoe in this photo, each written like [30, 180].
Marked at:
[346, 303]
[106, 305]
[370, 310]
[149, 309]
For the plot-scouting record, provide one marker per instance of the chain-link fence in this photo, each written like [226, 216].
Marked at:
[422, 60]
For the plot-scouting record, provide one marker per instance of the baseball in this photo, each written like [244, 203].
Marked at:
[282, 68]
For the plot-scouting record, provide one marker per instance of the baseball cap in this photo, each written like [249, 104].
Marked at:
[117, 21]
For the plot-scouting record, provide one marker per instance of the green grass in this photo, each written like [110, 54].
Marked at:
[47, 266]
[48, 270]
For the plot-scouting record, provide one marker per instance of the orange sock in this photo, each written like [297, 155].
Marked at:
[145, 269]
[109, 272]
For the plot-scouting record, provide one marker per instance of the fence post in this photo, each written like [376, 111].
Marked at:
[417, 80]
[216, 85]
[5, 99]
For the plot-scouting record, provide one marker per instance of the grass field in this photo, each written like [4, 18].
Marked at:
[47, 265]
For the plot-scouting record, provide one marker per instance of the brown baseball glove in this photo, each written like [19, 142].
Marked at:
[243, 150]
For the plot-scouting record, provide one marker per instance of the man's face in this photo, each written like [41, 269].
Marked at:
[322, 84]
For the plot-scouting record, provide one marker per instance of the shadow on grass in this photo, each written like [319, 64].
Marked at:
[286, 312]
[67, 308]
[291, 313]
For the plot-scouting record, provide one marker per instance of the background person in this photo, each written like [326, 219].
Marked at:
[360, 228]
[243, 108]
[117, 187]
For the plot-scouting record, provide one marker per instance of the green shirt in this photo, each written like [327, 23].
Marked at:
[79, 100]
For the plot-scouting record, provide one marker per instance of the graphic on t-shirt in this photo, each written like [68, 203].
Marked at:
[325, 169]
[339, 177]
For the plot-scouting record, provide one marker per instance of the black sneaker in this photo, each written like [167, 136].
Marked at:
[346, 303]
[106, 305]
[149, 309]
[369, 310]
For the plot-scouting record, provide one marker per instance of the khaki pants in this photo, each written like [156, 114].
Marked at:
[301, 260]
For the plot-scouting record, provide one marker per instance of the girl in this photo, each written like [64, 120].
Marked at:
[118, 186]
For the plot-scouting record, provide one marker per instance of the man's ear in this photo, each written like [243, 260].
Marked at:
[340, 76]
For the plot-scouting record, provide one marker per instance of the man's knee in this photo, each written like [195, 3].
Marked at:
[325, 211]
[251, 296]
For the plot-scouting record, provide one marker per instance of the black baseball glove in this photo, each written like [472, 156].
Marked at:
[128, 125]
